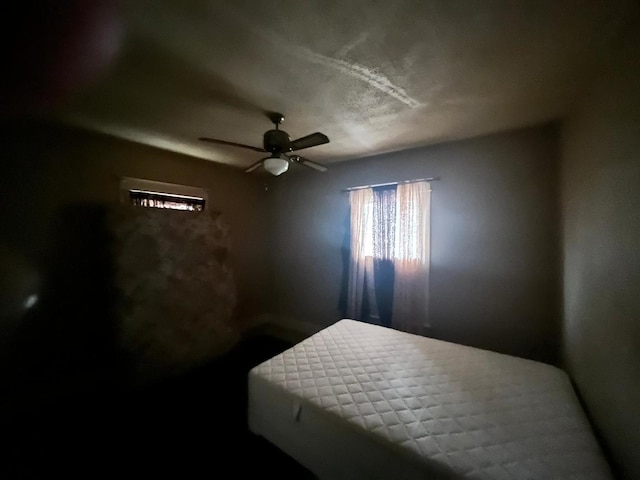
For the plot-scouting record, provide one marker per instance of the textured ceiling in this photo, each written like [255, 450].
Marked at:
[374, 76]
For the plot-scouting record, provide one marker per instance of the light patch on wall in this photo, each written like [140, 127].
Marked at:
[455, 227]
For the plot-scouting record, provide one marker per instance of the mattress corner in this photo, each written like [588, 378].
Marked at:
[345, 320]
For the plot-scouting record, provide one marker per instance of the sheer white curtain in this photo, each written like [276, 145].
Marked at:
[390, 229]
[411, 257]
[361, 230]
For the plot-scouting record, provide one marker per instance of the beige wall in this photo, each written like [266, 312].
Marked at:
[495, 239]
[601, 210]
[46, 167]
[49, 174]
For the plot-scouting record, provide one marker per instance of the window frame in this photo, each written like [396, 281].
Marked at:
[129, 184]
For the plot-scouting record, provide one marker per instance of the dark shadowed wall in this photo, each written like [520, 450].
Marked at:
[494, 231]
[601, 210]
[56, 184]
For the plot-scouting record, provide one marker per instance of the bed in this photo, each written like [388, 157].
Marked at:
[366, 402]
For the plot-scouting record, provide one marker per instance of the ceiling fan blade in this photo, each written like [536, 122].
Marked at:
[309, 141]
[231, 144]
[254, 166]
[308, 163]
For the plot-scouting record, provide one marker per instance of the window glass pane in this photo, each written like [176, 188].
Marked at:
[142, 198]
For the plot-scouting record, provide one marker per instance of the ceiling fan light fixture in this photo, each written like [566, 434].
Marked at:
[277, 144]
[276, 165]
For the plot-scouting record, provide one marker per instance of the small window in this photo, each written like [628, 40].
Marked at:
[152, 194]
[143, 198]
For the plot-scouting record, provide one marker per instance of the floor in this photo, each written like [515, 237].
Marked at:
[184, 428]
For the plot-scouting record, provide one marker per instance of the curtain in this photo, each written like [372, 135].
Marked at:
[384, 236]
[411, 259]
[361, 227]
[389, 255]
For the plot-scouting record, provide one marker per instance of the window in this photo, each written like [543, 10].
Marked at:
[152, 194]
[389, 262]
[143, 198]
[405, 219]
[407, 229]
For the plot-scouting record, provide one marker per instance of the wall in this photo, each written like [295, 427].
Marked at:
[601, 211]
[49, 174]
[176, 289]
[495, 239]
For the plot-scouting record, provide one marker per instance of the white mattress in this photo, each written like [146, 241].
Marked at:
[362, 401]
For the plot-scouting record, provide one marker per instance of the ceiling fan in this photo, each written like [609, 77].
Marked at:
[278, 144]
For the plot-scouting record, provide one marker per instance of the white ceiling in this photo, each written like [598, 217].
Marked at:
[374, 76]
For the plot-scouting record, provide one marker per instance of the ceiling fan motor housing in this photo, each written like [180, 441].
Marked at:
[277, 141]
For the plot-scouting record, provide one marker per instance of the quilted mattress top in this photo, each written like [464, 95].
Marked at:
[470, 412]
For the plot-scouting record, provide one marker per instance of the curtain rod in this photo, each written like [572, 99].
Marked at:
[360, 187]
